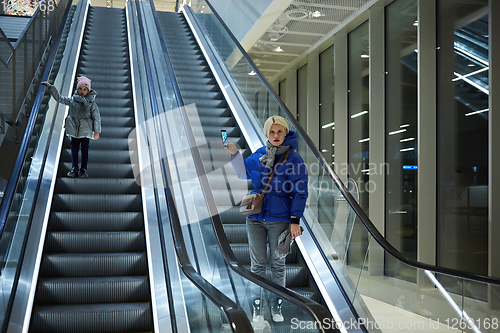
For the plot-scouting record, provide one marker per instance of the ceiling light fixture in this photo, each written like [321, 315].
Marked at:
[252, 73]
[476, 112]
[316, 14]
[365, 56]
[359, 114]
[278, 49]
[328, 125]
[397, 132]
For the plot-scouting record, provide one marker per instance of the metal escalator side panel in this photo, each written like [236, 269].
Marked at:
[163, 273]
[22, 306]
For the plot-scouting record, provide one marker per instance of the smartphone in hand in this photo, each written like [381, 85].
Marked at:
[223, 133]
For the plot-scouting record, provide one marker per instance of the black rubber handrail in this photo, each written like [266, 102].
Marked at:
[317, 312]
[18, 164]
[379, 238]
[237, 318]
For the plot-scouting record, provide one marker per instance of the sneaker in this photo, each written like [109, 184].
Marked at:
[73, 173]
[276, 313]
[83, 173]
[257, 311]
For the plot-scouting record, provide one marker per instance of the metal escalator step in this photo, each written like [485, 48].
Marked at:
[186, 81]
[228, 197]
[194, 88]
[306, 292]
[107, 121]
[113, 95]
[90, 71]
[180, 42]
[93, 264]
[214, 95]
[116, 132]
[194, 74]
[97, 185]
[210, 103]
[106, 64]
[97, 203]
[100, 86]
[120, 317]
[98, 53]
[206, 111]
[94, 242]
[101, 156]
[236, 233]
[101, 170]
[231, 215]
[105, 144]
[90, 221]
[112, 111]
[123, 103]
[188, 57]
[113, 289]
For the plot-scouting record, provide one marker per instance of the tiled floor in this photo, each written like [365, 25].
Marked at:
[391, 319]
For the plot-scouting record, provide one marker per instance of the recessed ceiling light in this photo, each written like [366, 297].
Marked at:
[316, 14]
[278, 49]
[365, 56]
[252, 73]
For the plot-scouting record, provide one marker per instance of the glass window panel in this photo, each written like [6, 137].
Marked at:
[358, 43]
[462, 119]
[326, 104]
[302, 104]
[401, 133]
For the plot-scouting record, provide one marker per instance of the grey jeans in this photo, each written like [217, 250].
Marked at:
[259, 235]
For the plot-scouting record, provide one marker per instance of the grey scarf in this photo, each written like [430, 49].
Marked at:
[271, 152]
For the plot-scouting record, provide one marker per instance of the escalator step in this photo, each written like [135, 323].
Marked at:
[105, 144]
[103, 185]
[96, 202]
[101, 156]
[114, 289]
[94, 242]
[121, 317]
[101, 170]
[89, 221]
[93, 264]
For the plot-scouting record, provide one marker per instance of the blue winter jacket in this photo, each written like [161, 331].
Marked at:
[287, 194]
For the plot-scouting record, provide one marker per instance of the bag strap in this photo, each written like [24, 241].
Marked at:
[285, 156]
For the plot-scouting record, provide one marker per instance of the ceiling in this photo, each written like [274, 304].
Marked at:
[284, 33]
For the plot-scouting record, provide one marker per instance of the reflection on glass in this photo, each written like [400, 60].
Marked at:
[359, 168]
[401, 136]
[326, 105]
[463, 91]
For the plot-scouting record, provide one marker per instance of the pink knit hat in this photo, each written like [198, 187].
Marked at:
[83, 81]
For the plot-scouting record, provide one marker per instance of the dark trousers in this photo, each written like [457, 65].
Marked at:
[75, 147]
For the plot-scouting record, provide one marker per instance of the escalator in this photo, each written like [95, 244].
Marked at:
[198, 86]
[94, 270]
[331, 214]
